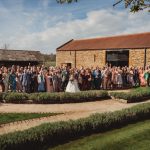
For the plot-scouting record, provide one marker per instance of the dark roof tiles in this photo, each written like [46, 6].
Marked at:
[20, 55]
[141, 40]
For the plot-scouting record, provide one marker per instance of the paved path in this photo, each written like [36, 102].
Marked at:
[71, 111]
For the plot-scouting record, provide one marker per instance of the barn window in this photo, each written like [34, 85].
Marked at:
[117, 57]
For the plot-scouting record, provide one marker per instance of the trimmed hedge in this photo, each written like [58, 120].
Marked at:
[136, 95]
[63, 97]
[55, 133]
[14, 97]
[50, 98]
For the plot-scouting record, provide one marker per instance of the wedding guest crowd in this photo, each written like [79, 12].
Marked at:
[31, 79]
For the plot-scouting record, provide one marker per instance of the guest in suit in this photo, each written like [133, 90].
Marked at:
[97, 78]
[29, 78]
[65, 78]
[34, 82]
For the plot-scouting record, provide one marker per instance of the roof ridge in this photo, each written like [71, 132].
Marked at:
[64, 44]
[105, 37]
[19, 50]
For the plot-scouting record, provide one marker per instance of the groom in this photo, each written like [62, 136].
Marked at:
[65, 78]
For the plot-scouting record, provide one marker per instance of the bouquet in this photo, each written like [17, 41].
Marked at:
[71, 78]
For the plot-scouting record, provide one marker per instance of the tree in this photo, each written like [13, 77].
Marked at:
[134, 5]
[5, 46]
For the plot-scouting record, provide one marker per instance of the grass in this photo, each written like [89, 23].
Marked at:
[132, 137]
[12, 117]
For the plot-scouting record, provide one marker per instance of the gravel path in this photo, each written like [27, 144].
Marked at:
[71, 111]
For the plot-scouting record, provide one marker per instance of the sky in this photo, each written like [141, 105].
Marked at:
[44, 25]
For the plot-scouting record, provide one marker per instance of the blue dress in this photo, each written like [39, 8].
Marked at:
[41, 83]
[12, 81]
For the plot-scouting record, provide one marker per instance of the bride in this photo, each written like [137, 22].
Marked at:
[72, 86]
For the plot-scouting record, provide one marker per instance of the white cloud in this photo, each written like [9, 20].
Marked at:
[104, 22]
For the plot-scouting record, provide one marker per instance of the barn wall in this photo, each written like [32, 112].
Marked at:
[65, 57]
[148, 57]
[86, 58]
[91, 58]
[136, 57]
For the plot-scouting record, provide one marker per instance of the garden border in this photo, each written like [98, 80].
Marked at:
[51, 134]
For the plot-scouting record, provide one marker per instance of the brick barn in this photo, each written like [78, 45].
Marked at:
[20, 57]
[123, 50]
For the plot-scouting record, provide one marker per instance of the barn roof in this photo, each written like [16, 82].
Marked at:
[20, 55]
[140, 40]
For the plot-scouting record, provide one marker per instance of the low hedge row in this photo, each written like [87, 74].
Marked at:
[55, 133]
[136, 95]
[62, 97]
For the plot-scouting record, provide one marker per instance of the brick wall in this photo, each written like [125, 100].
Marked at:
[136, 57]
[83, 58]
[98, 57]
[90, 58]
[65, 57]
[148, 57]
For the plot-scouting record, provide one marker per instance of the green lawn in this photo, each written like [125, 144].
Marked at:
[132, 137]
[12, 117]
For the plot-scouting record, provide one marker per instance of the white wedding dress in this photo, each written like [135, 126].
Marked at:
[72, 86]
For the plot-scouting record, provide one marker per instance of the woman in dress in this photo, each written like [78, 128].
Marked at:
[141, 76]
[130, 78]
[59, 80]
[115, 78]
[72, 86]
[18, 81]
[6, 79]
[12, 80]
[49, 82]
[41, 82]
[146, 76]
[88, 77]
[55, 81]
[119, 78]
[1, 81]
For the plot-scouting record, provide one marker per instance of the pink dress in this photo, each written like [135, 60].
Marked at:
[49, 84]
[142, 79]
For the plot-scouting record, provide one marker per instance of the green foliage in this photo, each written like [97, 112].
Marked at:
[64, 97]
[131, 137]
[53, 133]
[135, 5]
[136, 95]
[50, 98]
[15, 97]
